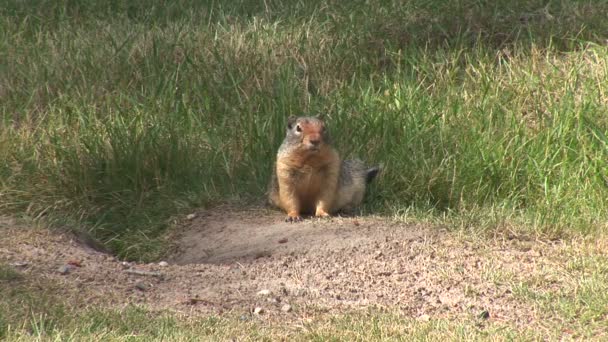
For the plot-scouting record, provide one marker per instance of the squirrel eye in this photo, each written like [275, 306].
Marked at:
[298, 128]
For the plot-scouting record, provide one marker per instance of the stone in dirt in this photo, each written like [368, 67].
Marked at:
[65, 269]
[424, 318]
[258, 310]
[286, 308]
[141, 286]
[264, 292]
[19, 264]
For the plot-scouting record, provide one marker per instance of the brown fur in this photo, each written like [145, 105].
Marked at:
[307, 173]
[307, 170]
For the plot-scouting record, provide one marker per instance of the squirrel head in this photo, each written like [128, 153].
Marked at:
[307, 132]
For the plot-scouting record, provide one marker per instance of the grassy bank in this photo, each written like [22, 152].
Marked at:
[119, 115]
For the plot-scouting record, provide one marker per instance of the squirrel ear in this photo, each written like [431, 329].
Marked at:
[290, 121]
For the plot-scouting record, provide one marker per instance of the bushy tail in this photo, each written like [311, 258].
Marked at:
[371, 173]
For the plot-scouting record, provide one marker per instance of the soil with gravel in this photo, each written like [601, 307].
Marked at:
[235, 260]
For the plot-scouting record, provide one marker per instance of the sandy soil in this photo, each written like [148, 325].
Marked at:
[224, 257]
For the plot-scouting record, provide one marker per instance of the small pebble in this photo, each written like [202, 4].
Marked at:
[286, 308]
[163, 264]
[283, 240]
[19, 264]
[424, 318]
[191, 217]
[141, 286]
[65, 269]
[258, 311]
[264, 292]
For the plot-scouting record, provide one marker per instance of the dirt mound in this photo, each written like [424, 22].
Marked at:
[237, 260]
[225, 236]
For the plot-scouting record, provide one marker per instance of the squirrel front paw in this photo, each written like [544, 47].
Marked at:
[293, 218]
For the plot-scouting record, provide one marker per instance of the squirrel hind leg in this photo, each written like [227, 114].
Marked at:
[272, 193]
[371, 173]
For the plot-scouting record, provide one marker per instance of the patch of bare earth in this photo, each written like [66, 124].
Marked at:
[224, 257]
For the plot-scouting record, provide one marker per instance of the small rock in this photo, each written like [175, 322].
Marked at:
[244, 318]
[125, 264]
[286, 308]
[258, 311]
[65, 269]
[191, 217]
[424, 318]
[141, 286]
[264, 292]
[19, 264]
[283, 240]
[163, 264]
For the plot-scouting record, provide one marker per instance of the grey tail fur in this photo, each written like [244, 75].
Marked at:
[371, 173]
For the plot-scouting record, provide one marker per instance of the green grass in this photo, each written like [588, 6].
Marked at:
[137, 324]
[573, 296]
[117, 116]
[8, 274]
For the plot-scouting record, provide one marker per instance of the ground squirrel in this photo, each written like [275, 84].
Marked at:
[309, 176]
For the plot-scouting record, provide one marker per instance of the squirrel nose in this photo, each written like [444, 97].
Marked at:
[315, 142]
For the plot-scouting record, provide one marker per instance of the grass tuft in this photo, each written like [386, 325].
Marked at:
[8, 273]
